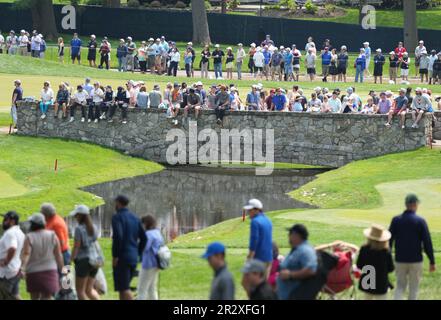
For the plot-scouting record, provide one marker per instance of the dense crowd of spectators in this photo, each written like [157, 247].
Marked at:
[99, 102]
[265, 60]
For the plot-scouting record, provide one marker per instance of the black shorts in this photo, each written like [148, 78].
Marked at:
[310, 71]
[341, 70]
[436, 74]
[83, 269]
[76, 56]
[122, 276]
[424, 71]
[258, 68]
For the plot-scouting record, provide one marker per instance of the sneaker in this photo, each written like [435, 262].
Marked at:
[43, 116]
[415, 126]
[175, 122]
[89, 120]
[124, 121]
[403, 127]
[387, 124]
[219, 121]
[110, 120]
[102, 117]
[71, 119]
[96, 121]
[82, 119]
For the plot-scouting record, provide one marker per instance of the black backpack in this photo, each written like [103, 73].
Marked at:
[311, 287]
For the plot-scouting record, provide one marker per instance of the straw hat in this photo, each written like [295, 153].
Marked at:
[377, 233]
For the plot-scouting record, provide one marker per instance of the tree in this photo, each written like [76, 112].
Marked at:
[201, 32]
[223, 6]
[410, 24]
[43, 17]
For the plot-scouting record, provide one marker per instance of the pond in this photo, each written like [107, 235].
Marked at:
[187, 199]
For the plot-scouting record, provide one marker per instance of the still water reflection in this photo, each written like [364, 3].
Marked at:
[190, 199]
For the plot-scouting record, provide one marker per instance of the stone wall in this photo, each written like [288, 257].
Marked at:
[317, 139]
[437, 128]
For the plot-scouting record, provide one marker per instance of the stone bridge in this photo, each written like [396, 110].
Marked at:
[316, 139]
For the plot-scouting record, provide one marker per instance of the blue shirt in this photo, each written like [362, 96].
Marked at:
[149, 255]
[261, 239]
[75, 45]
[326, 58]
[279, 101]
[410, 235]
[304, 256]
[267, 56]
[288, 58]
[128, 237]
[361, 61]
[253, 98]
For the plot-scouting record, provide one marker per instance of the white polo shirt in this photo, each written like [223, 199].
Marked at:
[12, 238]
[47, 95]
[81, 97]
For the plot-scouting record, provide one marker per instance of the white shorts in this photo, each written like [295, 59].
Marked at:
[404, 72]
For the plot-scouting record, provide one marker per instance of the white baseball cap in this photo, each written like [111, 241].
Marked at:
[253, 204]
[80, 209]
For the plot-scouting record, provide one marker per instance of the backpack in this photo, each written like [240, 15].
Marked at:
[164, 257]
[96, 257]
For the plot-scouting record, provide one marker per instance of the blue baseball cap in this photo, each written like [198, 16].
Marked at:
[212, 249]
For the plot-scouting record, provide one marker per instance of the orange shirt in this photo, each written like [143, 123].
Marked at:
[58, 225]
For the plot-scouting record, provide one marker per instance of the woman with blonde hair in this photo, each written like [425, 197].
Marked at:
[229, 63]
[84, 237]
[60, 50]
[375, 263]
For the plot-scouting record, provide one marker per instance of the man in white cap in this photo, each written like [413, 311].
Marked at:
[23, 43]
[418, 54]
[379, 62]
[424, 66]
[217, 56]
[259, 63]
[240, 56]
[130, 58]
[92, 49]
[368, 54]
[261, 238]
[35, 44]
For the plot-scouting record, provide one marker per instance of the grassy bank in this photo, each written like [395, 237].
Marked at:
[29, 163]
[351, 198]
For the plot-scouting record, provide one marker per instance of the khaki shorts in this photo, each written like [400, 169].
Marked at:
[393, 72]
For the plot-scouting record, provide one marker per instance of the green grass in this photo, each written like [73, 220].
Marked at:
[426, 19]
[30, 163]
[5, 118]
[351, 198]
